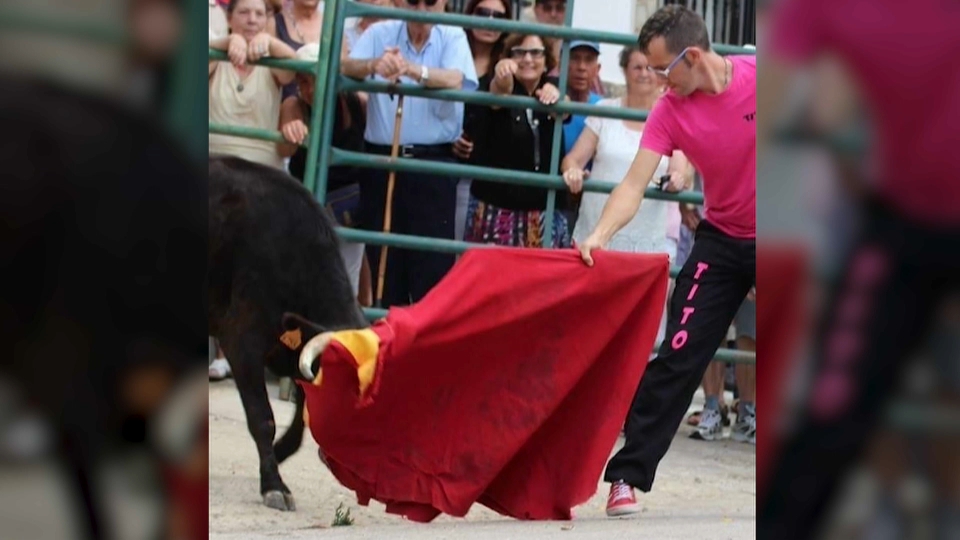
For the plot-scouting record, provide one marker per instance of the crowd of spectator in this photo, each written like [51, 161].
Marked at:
[513, 138]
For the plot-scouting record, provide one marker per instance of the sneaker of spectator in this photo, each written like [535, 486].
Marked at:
[710, 427]
[219, 369]
[745, 430]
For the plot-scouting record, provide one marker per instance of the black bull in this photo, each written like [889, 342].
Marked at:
[273, 265]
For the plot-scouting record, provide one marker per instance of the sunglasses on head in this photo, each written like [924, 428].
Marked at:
[534, 52]
[428, 3]
[489, 13]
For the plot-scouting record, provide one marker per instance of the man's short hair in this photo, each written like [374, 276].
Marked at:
[679, 26]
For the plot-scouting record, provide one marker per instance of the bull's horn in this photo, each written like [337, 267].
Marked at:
[311, 351]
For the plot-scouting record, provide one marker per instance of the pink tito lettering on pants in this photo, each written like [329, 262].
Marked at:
[680, 338]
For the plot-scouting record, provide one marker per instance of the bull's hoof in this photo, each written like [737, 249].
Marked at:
[279, 500]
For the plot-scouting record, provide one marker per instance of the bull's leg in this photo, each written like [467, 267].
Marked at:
[246, 360]
[290, 442]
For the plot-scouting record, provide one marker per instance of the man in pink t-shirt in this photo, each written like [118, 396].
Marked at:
[709, 114]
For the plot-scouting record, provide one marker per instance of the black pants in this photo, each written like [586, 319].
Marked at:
[423, 205]
[709, 290]
[894, 279]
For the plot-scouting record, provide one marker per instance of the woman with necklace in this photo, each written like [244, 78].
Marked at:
[486, 47]
[247, 95]
[297, 24]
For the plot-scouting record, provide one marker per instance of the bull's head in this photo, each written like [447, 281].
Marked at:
[313, 338]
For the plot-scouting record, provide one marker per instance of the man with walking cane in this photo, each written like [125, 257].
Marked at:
[434, 56]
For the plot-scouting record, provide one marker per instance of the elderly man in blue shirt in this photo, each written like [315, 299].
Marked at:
[434, 56]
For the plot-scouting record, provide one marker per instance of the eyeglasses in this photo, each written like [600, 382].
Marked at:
[428, 3]
[665, 73]
[489, 13]
[520, 52]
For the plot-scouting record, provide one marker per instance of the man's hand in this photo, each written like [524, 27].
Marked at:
[295, 131]
[574, 178]
[752, 295]
[462, 148]
[591, 243]
[391, 65]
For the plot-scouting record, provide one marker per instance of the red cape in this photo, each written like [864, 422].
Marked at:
[507, 385]
[782, 319]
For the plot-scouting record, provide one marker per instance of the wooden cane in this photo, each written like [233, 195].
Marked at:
[388, 210]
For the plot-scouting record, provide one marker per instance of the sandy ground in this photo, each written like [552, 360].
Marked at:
[703, 490]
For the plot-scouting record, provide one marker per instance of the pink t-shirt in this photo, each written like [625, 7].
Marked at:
[903, 55]
[718, 135]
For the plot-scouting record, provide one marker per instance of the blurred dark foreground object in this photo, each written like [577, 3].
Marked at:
[882, 303]
[102, 246]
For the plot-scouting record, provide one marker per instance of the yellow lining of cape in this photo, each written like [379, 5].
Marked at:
[363, 345]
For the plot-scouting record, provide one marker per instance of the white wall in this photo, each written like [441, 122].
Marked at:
[610, 16]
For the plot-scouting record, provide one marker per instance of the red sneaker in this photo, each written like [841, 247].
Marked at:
[622, 500]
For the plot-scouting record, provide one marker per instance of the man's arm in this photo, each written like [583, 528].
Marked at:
[358, 68]
[456, 70]
[450, 79]
[362, 58]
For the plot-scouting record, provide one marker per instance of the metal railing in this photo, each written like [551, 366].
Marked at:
[321, 155]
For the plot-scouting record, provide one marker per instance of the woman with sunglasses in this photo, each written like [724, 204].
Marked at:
[486, 47]
[518, 139]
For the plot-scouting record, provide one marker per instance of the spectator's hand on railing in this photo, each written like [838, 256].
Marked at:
[237, 50]
[295, 131]
[391, 65]
[676, 183]
[462, 147]
[505, 69]
[259, 47]
[689, 216]
[548, 94]
[574, 177]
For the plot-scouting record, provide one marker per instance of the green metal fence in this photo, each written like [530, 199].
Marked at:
[904, 415]
[321, 155]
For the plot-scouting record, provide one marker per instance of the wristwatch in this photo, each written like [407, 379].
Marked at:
[424, 74]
